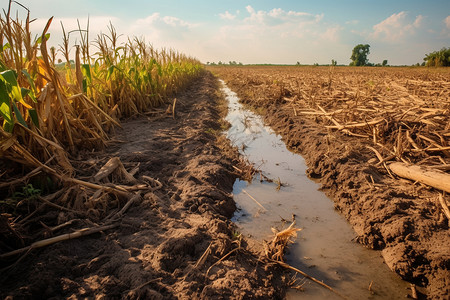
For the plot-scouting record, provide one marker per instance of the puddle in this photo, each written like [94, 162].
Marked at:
[324, 248]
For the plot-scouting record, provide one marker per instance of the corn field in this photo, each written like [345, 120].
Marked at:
[49, 114]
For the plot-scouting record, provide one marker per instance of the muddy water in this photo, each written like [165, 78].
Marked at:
[324, 248]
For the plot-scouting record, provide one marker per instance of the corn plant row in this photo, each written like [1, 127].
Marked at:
[48, 113]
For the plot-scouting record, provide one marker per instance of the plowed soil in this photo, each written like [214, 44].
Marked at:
[177, 242]
[402, 219]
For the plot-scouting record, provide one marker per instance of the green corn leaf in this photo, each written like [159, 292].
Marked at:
[31, 83]
[8, 127]
[24, 92]
[110, 72]
[159, 69]
[39, 40]
[84, 86]
[5, 102]
[10, 79]
[86, 69]
[6, 46]
[34, 117]
[19, 115]
[5, 112]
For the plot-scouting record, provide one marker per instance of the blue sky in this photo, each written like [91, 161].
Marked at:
[251, 31]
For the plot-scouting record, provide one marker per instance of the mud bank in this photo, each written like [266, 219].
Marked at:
[178, 242]
[395, 216]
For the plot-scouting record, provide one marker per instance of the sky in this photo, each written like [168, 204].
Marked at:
[259, 31]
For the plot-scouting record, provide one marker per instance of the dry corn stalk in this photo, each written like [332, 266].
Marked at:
[274, 250]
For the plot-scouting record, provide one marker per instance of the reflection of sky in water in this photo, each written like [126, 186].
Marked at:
[325, 239]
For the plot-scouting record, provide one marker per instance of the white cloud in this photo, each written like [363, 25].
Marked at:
[167, 31]
[396, 27]
[446, 30]
[156, 20]
[418, 22]
[331, 34]
[279, 16]
[275, 35]
[227, 16]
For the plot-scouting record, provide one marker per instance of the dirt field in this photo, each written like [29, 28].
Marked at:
[176, 241]
[350, 124]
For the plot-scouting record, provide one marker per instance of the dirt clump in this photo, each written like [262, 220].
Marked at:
[177, 241]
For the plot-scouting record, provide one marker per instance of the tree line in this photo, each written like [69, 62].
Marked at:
[440, 58]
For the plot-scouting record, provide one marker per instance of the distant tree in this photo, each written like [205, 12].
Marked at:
[359, 55]
[333, 62]
[298, 63]
[385, 63]
[220, 63]
[439, 58]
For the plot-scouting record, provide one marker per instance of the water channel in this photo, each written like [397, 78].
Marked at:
[324, 248]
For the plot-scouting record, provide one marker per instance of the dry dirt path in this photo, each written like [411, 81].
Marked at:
[169, 245]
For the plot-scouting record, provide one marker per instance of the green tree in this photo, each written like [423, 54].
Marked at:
[333, 62]
[439, 58]
[385, 63]
[359, 55]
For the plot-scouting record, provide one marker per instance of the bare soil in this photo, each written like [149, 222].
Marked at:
[178, 242]
[402, 219]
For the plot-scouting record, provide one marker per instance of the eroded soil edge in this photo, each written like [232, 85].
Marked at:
[169, 245]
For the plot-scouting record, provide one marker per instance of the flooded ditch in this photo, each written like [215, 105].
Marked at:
[324, 248]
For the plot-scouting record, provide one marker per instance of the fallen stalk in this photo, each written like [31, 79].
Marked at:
[285, 265]
[256, 201]
[56, 239]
